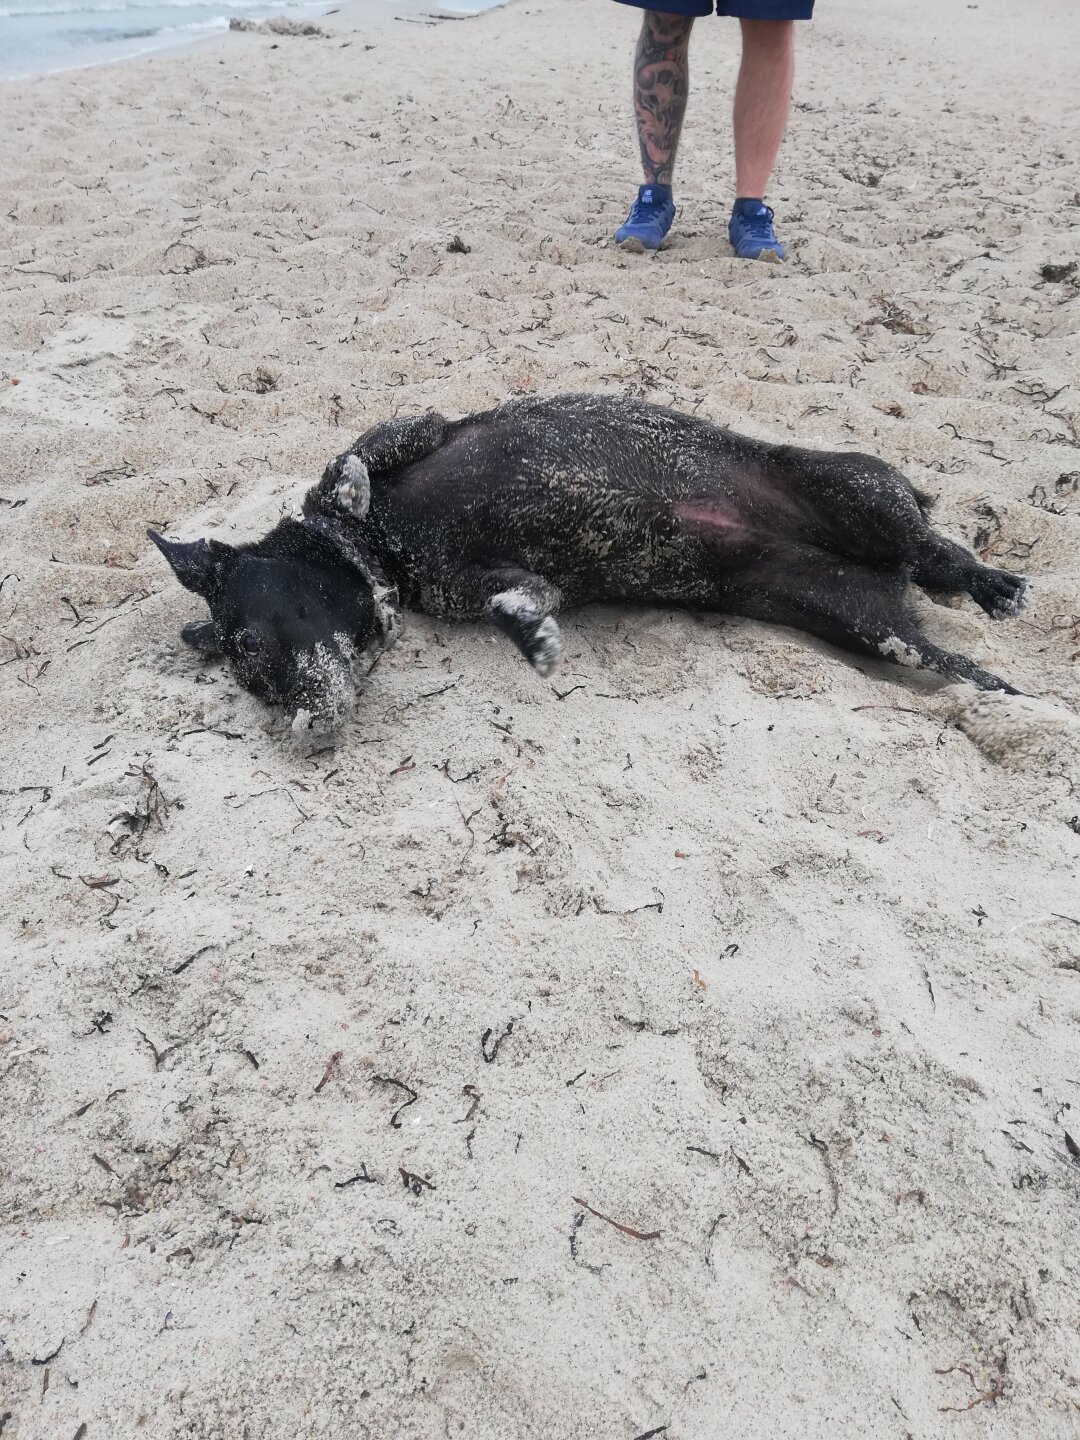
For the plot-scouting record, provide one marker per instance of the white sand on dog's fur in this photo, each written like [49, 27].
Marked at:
[792, 966]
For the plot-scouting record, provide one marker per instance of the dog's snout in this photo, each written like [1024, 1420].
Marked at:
[326, 690]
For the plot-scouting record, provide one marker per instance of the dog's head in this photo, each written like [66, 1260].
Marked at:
[293, 613]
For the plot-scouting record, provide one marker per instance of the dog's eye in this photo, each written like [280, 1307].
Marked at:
[250, 643]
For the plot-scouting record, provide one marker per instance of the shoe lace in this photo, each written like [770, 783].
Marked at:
[759, 223]
[643, 211]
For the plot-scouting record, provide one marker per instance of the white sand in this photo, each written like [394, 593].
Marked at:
[835, 1070]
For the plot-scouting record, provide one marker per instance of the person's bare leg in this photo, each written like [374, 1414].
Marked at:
[762, 101]
[661, 83]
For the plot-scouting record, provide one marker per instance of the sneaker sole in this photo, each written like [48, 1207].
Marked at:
[633, 246]
[770, 255]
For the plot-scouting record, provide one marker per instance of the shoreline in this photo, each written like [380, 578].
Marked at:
[372, 14]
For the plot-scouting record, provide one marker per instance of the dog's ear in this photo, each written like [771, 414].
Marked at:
[194, 562]
[204, 635]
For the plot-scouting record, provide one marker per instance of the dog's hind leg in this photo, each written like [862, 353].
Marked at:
[857, 607]
[868, 509]
[517, 602]
[852, 504]
[941, 565]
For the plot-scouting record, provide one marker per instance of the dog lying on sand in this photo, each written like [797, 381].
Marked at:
[512, 513]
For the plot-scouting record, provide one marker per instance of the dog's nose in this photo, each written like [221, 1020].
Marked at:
[303, 722]
[321, 715]
[307, 721]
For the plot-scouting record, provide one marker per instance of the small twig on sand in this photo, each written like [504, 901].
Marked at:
[475, 1096]
[160, 1056]
[400, 1085]
[467, 820]
[46, 1358]
[657, 905]
[491, 1052]
[330, 1064]
[626, 1229]
[901, 709]
[833, 1183]
[363, 1178]
[994, 1394]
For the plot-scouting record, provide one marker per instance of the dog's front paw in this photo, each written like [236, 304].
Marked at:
[544, 647]
[534, 632]
[353, 492]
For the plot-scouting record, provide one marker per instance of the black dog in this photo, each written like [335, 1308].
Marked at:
[544, 502]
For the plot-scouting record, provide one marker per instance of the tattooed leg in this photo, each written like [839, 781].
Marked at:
[661, 84]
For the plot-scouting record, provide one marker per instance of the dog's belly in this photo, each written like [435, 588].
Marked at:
[594, 543]
[603, 514]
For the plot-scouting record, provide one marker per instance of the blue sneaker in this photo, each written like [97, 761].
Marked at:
[751, 232]
[649, 220]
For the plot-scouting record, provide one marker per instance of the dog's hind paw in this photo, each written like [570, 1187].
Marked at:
[353, 491]
[1018, 600]
[999, 592]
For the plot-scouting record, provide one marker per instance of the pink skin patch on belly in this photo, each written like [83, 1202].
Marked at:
[711, 515]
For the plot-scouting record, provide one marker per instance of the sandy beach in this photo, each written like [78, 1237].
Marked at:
[685, 1045]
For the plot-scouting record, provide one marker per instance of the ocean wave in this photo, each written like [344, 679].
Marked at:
[219, 23]
[120, 35]
[115, 7]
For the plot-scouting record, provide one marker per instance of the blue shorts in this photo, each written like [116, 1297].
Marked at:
[741, 9]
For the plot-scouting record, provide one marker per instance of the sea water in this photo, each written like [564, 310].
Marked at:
[41, 36]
